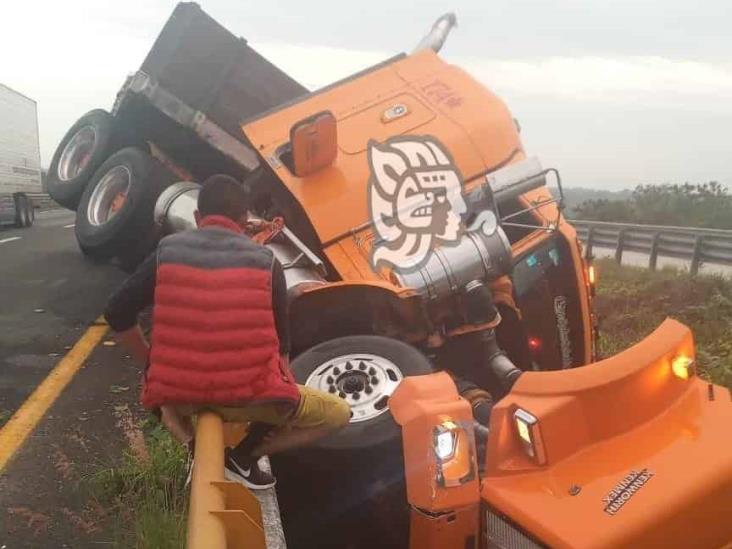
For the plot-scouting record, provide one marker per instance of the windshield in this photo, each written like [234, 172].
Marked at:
[545, 285]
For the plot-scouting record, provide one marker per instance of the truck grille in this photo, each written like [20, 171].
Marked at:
[501, 534]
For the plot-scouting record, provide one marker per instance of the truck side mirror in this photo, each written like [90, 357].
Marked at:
[314, 142]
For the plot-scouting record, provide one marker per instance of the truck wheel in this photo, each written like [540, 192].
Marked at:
[116, 210]
[31, 213]
[365, 371]
[21, 211]
[80, 153]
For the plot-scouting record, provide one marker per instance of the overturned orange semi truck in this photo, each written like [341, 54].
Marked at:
[428, 267]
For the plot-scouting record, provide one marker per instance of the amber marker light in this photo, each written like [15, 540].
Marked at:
[683, 367]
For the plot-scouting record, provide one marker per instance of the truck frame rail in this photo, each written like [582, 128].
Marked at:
[143, 85]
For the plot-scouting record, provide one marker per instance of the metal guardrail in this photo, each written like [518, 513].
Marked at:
[690, 243]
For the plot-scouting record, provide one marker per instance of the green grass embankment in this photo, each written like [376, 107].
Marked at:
[631, 302]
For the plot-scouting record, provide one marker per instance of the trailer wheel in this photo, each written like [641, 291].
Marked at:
[80, 153]
[115, 214]
[365, 371]
[31, 213]
[24, 214]
[20, 212]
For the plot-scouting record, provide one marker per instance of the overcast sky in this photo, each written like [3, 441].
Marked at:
[613, 93]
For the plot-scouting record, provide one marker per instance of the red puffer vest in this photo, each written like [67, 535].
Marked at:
[214, 339]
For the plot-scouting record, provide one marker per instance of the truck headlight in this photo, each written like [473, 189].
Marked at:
[454, 451]
[445, 445]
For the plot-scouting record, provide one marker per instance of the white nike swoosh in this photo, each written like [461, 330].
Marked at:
[246, 473]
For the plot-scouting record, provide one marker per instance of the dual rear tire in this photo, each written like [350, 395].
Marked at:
[111, 185]
[81, 151]
[114, 217]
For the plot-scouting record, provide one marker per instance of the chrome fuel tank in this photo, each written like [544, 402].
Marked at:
[174, 212]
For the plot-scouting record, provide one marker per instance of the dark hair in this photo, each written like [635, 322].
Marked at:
[223, 195]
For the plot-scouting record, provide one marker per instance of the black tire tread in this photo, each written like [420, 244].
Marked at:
[68, 193]
[133, 224]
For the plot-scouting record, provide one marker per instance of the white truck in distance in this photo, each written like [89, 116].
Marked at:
[20, 158]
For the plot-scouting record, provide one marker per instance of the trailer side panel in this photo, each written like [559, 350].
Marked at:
[214, 72]
[20, 159]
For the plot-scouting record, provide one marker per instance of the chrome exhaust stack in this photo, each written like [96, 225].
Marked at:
[435, 39]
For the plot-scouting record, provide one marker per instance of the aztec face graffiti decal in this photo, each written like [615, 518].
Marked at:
[415, 201]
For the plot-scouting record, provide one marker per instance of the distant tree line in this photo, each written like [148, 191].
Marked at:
[707, 205]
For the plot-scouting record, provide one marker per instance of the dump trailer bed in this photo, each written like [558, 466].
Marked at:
[178, 118]
[196, 86]
[214, 72]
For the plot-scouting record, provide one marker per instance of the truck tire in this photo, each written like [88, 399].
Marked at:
[81, 151]
[365, 370]
[132, 255]
[348, 490]
[21, 211]
[31, 213]
[115, 214]
[330, 489]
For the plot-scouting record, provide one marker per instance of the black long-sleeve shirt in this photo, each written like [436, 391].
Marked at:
[138, 293]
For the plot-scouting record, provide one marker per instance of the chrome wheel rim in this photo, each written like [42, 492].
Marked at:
[77, 153]
[363, 380]
[109, 195]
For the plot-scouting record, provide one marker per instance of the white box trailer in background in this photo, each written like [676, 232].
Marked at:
[20, 158]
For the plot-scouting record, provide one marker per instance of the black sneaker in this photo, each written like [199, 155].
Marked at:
[247, 472]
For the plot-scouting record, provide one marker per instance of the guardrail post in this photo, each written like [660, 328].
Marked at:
[696, 255]
[588, 244]
[619, 249]
[653, 257]
[221, 514]
[205, 530]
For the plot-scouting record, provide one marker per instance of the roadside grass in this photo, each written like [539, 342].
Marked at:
[146, 498]
[4, 416]
[631, 302]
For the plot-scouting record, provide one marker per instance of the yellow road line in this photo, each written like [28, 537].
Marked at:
[25, 419]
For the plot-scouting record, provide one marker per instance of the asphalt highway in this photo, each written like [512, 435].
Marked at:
[49, 296]
[49, 293]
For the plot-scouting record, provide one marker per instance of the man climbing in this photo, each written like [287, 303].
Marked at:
[220, 337]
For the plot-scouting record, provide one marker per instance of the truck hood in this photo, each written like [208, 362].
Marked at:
[635, 456]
